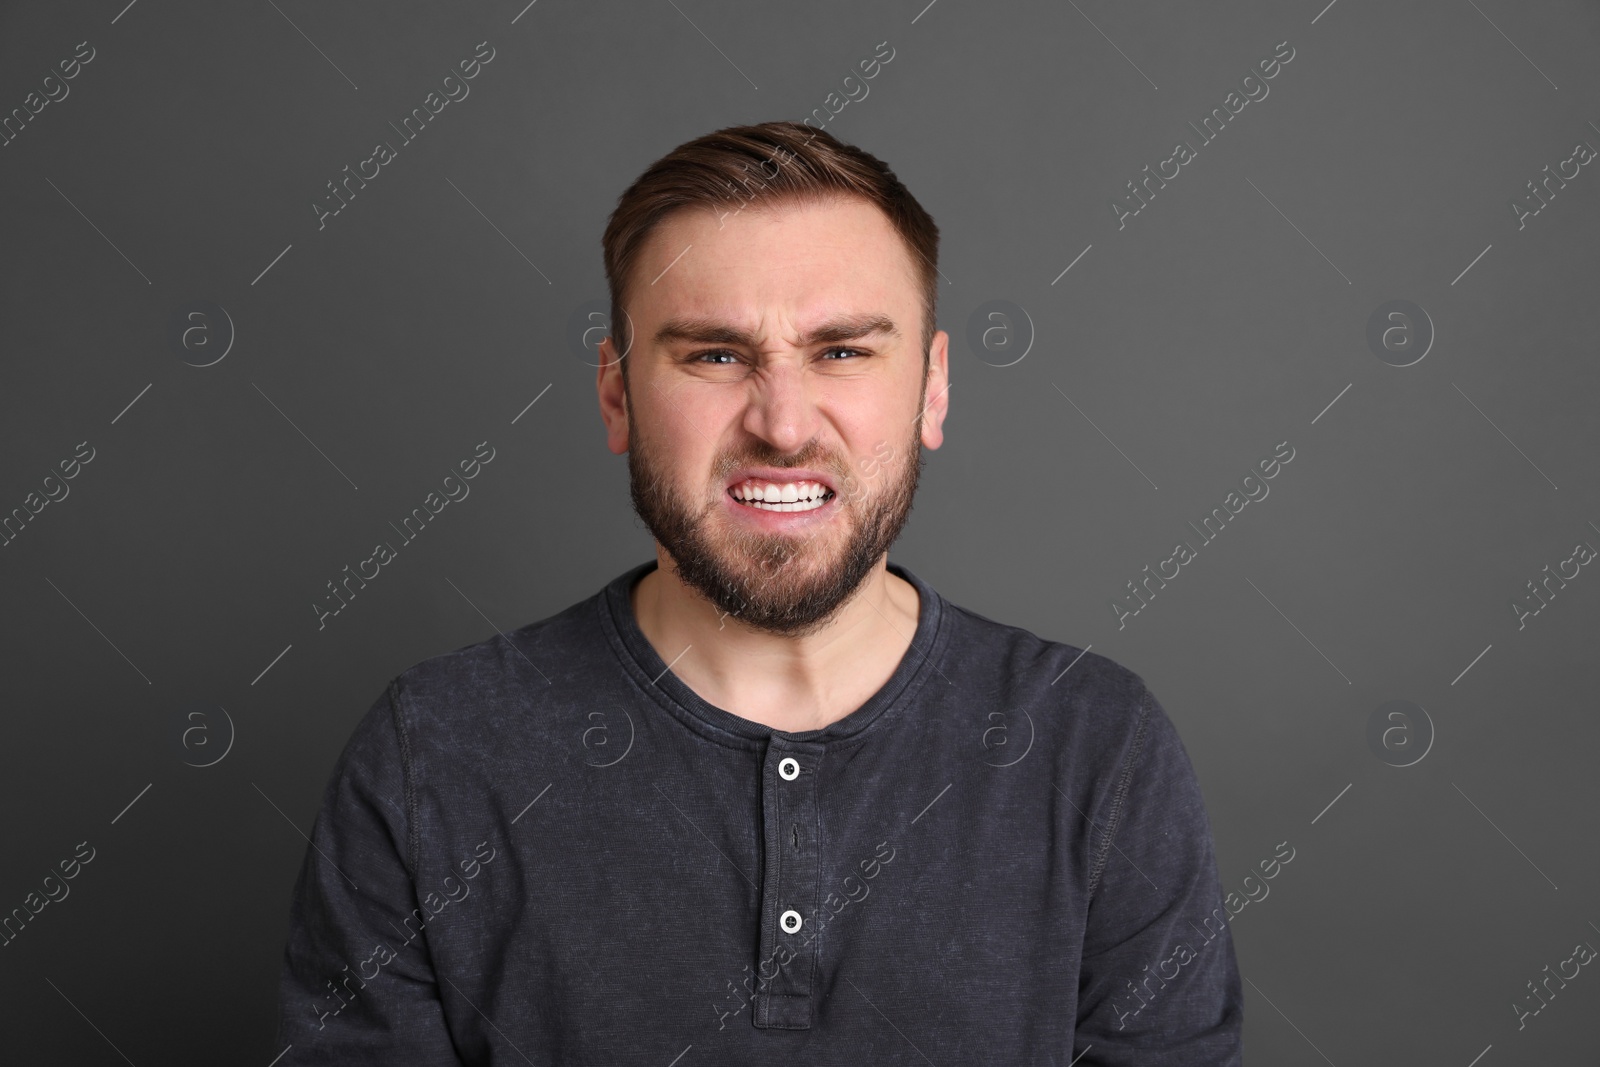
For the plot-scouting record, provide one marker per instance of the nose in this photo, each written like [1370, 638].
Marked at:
[780, 409]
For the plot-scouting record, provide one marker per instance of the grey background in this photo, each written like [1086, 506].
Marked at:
[370, 356]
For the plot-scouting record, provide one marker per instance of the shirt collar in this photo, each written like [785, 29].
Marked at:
[649, 671]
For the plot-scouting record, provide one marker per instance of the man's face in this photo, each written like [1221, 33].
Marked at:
[775, 353]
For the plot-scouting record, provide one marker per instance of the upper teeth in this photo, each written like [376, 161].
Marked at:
[787, 493]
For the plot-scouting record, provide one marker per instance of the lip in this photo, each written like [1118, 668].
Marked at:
[780, 521]
[780, 476]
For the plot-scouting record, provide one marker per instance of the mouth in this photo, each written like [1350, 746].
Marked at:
[759, 494]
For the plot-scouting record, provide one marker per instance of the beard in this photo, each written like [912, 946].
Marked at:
[786, 585]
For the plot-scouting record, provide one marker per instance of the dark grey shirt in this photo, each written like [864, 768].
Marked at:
[545, 848]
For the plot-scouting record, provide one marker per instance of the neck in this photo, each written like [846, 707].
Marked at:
[792, 684]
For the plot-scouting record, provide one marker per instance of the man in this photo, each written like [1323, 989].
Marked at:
[769, 797]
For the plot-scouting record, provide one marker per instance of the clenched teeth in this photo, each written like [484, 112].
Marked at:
[790, 496]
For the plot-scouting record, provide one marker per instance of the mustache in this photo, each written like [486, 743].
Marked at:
[813, 455]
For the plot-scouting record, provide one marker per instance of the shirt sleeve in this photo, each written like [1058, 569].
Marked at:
[357, 984]
[1159, 983]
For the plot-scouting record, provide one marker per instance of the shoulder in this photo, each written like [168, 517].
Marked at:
[1107, 742]
[1100, 712]
[501, 682]
[1038, 669]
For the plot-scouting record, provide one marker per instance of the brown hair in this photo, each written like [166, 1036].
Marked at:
[766, 164]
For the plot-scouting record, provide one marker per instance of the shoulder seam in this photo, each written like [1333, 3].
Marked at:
[1115, 819]
[413, 836]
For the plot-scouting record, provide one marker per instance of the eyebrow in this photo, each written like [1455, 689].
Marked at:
[714, 331]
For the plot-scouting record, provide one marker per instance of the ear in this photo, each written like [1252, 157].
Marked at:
[613, 403]
[938, 390]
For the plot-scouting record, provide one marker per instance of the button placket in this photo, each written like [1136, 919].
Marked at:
[791, 886]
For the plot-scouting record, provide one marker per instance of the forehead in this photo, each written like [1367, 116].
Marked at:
[798, 262]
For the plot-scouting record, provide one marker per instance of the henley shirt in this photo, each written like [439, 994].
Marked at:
[544, 848]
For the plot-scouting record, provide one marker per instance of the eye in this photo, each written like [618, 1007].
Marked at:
[723, 357]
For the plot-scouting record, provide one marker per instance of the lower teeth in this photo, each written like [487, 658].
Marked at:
[786, 506]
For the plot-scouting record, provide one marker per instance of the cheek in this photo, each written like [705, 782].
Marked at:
[709, 410]
[678, 432]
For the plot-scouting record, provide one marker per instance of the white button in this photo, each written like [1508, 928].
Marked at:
[788, 769]
[790, 921]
